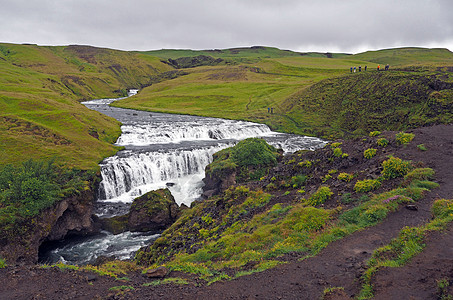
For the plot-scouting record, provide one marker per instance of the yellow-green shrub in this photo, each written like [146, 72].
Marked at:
[404, 138]
[382, 142]
[345, 177]
[395, 167]
[320, 196]
[363, 186]
[369, 153]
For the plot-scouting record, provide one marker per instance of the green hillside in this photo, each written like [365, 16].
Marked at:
[40, 91]
[238, 54]
[408, 56]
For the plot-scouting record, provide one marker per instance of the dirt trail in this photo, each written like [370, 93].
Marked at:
[339, 265]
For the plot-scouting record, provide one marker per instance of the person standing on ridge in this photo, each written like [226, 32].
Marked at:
[365, 67]
[378, 67]
[360, 68]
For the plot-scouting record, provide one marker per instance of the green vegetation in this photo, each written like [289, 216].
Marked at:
[171, 280]
[410, 242]
[27, 189]
[251, 153]
[442, 289]
[244, 231]
[369, 153]
[382, 142]
[363, 186]
[404, 138]
[395, 167]
[2, 263]
[346, 177]
[422, 147]
[40, 91]
[122, 288]
[375, 133]
[320, 196]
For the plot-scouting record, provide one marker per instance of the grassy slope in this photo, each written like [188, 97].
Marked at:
[304, 90]
[40, 91]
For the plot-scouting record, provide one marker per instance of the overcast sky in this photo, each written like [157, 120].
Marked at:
[301, 25]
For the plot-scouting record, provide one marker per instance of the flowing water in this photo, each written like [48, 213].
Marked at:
[160, 150]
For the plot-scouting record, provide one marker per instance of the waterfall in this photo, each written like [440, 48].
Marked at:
[131, 174]
[175, 132]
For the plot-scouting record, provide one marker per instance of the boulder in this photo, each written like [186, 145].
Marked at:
[159, 272]
[153, 211]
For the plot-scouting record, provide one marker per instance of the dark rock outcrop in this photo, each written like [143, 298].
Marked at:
[217, 182]
[71, 216]
[159, 272]
[153, 211]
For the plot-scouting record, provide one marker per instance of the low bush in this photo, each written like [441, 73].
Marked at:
[382, 142]
[442, 208]
[253, 152]
[404, 138]
[374, 133]
[422, 147]
[346, 177]
[369, 153]
[305, 163]
[363, 186]
[395, 167]
[2, 263]
[337, 152]
[298, 181]
[320, 196]
[33, 186]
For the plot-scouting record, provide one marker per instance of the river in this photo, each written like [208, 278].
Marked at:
[160, 150]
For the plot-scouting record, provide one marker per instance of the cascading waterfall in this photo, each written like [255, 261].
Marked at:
[161, 150]
[129, 175]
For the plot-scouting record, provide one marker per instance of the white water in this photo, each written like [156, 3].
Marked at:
[132, 174]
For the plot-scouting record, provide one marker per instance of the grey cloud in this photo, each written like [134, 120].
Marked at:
[201, 24]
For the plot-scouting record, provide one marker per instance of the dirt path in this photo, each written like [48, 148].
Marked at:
[339, 265]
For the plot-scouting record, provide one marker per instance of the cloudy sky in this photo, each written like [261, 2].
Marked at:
[301, 25]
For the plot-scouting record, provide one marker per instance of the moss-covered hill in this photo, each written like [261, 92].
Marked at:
[387, 100]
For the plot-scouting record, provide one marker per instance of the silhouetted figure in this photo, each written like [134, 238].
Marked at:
[365, 67]
[268, 109]
[272, 110]
[351, 69]
[360, 68]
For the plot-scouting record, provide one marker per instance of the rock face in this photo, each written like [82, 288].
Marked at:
[217, 182]
[154, 211]
[159, 272]
[71, 216]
